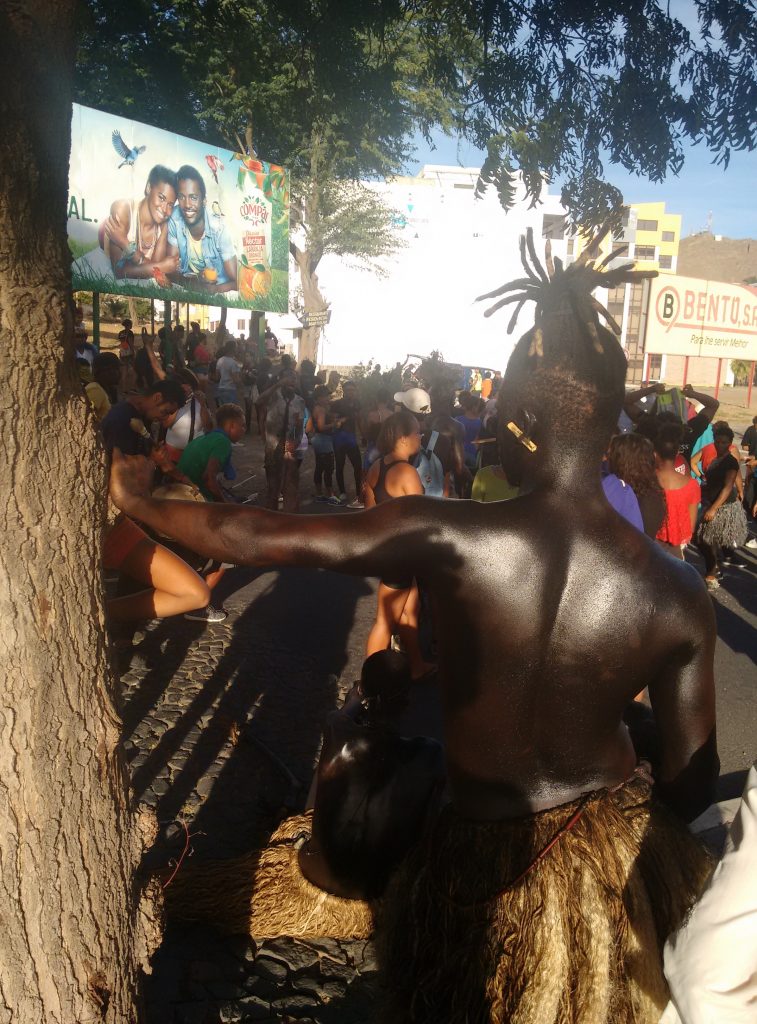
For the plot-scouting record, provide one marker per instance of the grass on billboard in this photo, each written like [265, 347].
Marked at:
[276, 301]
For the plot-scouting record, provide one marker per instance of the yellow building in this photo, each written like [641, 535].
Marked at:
[651, 237]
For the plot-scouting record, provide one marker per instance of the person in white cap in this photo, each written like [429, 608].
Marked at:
[416, 400]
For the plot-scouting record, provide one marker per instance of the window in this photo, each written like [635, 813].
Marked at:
[615, 301]
[655, 367]
[644, 252]
[571, 246]
[668, 236]
[553, 226]
[646, 225]
[666, 262]
[620, 249]
[241, 325]
[457, 185]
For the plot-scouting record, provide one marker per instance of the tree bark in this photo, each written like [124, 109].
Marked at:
[75, 929]
[313, 300]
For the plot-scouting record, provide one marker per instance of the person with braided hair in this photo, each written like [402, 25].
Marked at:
[546, 886]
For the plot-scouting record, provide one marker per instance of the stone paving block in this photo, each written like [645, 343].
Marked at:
[295, 1004]
[297, 955]
[321, 986]
[253, 1008]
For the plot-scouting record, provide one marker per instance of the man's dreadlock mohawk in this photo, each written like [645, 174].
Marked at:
[561, 293]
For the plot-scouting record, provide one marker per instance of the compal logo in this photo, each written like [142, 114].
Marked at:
[668, 307]
[254, 210]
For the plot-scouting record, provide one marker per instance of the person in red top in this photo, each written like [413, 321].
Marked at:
[682, 494]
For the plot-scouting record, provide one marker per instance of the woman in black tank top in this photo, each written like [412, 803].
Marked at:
[391, 477]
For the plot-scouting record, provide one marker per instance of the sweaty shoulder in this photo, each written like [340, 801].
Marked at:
[402, 479]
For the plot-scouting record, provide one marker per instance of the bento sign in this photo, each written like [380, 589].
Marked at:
[691, 317]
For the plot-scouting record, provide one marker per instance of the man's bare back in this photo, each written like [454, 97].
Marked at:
[549, 622]
[548, 627]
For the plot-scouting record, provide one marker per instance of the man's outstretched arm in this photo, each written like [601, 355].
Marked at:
[683, 701]
[395, 537]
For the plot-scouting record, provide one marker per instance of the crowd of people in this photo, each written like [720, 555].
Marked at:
[543, 811]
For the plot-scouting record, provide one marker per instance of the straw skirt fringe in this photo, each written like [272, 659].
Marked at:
[264, 894]
[577, 941]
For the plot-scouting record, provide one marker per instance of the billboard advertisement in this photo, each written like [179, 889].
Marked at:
[691, 317]
[160, 216]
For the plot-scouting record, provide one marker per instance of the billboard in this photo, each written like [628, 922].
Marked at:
[690, 317]
[160, 216]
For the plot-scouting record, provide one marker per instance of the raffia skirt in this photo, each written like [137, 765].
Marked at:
[482, 926]
[729, 527]
[264, 894]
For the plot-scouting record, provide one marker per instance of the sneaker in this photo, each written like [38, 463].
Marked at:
[342, 499]
[357, 503]
[333, 500]
[321, 498]
[712, 584]
[209, 614]
[733, 558]
[751, 544]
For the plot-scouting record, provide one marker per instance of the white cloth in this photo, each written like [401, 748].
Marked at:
[177, 434]
[711, 961]
[227, 368]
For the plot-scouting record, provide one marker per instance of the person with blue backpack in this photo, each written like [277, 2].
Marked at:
[434, 461]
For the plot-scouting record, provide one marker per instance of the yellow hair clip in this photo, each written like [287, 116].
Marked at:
[525, 441]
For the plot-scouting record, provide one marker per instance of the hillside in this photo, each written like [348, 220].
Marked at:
[733, 260]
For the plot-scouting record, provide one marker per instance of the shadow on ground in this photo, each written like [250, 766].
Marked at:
[222, 728]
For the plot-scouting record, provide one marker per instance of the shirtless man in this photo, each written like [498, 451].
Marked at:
[552, 613]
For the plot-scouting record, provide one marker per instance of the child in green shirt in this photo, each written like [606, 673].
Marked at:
[207, 456]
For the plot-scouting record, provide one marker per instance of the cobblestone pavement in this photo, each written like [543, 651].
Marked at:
[221, 729]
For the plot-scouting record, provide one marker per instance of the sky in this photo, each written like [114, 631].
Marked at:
[701, 188]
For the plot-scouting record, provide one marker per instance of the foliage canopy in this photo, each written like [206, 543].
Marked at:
[565, 88]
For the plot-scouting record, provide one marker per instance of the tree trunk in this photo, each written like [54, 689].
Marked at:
[74, 928]
[314, 302]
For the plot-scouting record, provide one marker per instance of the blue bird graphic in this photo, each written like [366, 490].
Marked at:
[129, 155]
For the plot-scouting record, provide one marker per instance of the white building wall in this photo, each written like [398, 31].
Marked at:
[457, 247]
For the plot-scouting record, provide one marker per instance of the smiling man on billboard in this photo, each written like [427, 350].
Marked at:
[207, 259]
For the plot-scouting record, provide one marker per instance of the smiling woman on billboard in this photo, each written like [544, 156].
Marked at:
[135, 240]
